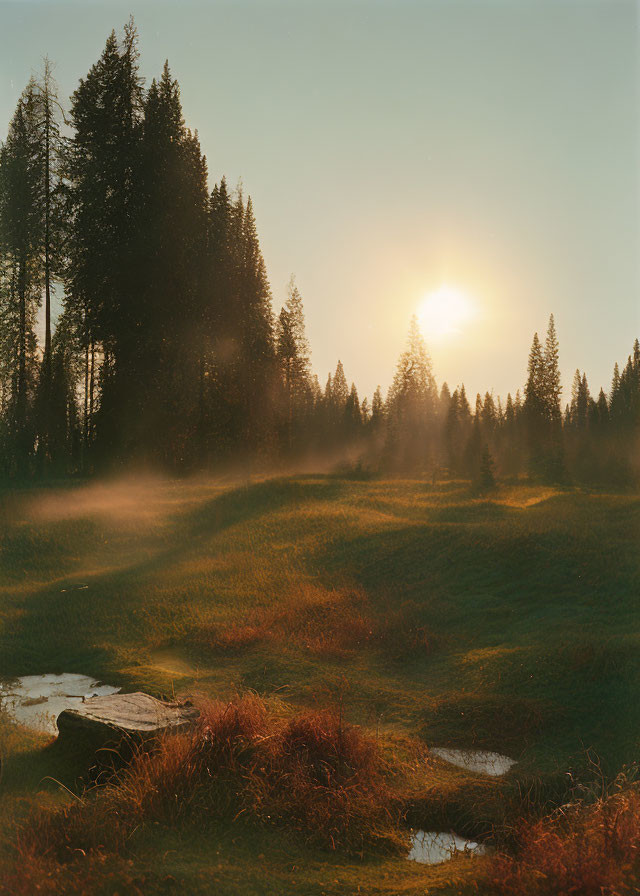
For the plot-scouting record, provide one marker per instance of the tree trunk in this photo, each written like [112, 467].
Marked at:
[91, 388]
[21, 392]
[85, 440]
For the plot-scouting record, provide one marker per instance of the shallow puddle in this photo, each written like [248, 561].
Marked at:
[483, 761]
[36, 701]
[433, 847]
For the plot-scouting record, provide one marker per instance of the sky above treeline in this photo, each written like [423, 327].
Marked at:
[392, 147]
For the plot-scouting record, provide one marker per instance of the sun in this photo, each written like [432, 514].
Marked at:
[443, 312]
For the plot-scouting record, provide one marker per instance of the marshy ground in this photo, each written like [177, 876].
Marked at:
[423, 615]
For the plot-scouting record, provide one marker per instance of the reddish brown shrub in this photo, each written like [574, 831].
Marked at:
[583, 851]
[242, 763]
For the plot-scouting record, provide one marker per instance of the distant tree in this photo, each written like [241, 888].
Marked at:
[292, 350]
[486, 477]
[451, 434]
[542, 409]
[365, 412]
[511, 447]
[510, 414]
[551, 375]
[489, 414]
[339, 390]
[352, 415]
[443, 401]
[411, 405]
[377, 409]
[219, 382]
[472, 455]
[603, 409]
[580, 397]
[614, 394]
[257, 339]
[463, 405]
[534, 391]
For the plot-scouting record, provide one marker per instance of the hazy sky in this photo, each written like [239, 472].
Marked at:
[393, 146]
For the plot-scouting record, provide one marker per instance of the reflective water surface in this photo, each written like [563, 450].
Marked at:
[433, 847]
[36, 701]
[483, 761]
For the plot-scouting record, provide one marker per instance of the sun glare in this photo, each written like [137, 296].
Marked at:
[443, 312]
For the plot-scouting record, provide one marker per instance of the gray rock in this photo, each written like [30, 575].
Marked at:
[118, 716]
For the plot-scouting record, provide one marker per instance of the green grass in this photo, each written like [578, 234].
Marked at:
[506, 623]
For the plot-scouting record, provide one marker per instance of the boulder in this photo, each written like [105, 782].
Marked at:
[116, 717]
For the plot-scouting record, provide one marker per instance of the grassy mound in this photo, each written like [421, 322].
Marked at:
[243, 764]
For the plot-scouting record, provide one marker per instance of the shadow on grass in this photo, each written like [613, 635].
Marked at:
[77, 617]
[532, 617]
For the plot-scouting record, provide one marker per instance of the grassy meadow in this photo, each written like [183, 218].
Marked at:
[425, 615]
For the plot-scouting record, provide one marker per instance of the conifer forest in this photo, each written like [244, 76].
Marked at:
[167, 349]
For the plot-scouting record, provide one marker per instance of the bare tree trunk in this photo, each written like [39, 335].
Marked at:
[86, 400]
[21, 392]
[290, 407]
[47, 236]
[91, 388]
[201, 433]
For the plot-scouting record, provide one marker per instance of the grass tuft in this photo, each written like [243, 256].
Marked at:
[242, 764]
[585, 849]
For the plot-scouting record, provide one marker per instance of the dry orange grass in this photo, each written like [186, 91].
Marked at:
[326, 622]
[579, 851]
[323, 621]
[242, 764]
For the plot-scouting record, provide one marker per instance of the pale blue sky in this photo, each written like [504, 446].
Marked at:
[391, 146]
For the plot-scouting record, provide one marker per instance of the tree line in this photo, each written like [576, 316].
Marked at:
[167, 350]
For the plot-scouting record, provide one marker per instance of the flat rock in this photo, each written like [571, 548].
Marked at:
[118, 716]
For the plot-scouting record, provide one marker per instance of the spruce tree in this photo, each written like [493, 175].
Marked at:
[603, 409]
[411, 405]
[47, 159]
[486, 476]
[292, 350]
[257, 357]
[536, 411]
[573, 416]
[452, 433]
[102, 284]
[172, 241]
[339, 389]
[21, 241]
[551, 374]
[352, 415]
[489, 414]
[535, 404]
[463, 404]
[377, 408]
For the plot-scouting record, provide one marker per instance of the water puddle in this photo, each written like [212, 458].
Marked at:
[433, 847]
[36, 701]
[483, 761]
